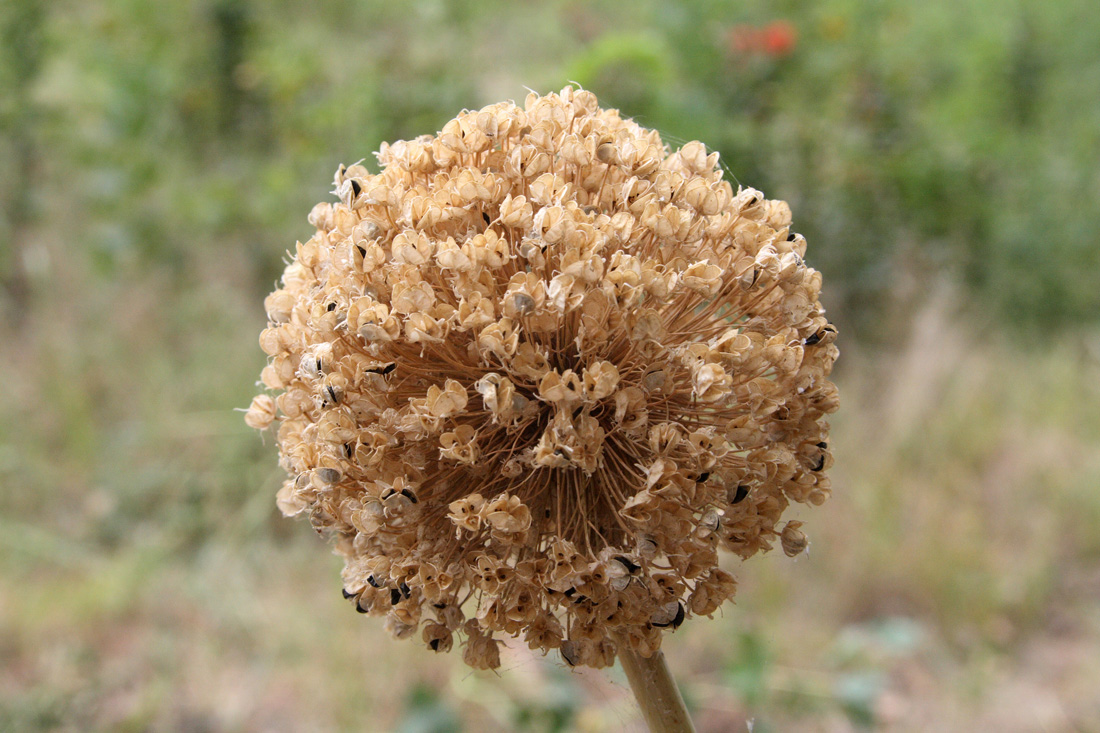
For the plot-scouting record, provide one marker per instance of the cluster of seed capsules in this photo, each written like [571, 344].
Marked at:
[535, 373]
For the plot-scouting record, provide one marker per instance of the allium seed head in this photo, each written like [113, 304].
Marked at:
[534, 374]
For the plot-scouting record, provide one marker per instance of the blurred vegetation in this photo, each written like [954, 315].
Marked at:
[158, 160]
[911, 138]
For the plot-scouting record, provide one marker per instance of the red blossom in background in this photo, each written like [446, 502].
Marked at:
[777, 39]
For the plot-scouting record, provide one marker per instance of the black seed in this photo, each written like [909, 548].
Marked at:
[395, 596]
[360, 609]
[626, 563]
[679, 616]
[439, 605]
[820, 464]
[810, 341]
[822, 445]
[703, 476]
[752, 202]
[348, 450]
[659, 626]
[569, 592]
[389, 368]
[580, 598]
[388, 493]
[331, 307]
[355, 187]
[405, 589]
[373, 583]
[485, 216]
[434, 644]
[742, 492]
[791, 237]
[408, 495]
[346, 594]
[547, 513]
[362, 250]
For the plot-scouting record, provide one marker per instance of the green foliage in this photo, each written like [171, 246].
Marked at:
[552, 708]
[635, 66]
[428, 713]
[911, 139]
[748, 670]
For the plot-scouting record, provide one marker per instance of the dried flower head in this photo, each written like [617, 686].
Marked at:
[533, 374]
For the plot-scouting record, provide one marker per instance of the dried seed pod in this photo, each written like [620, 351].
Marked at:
[539, 363]
[261, 413]
[793, 539]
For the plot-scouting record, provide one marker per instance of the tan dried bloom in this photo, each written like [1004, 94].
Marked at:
[533, 374]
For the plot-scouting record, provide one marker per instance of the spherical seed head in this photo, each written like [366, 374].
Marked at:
[533, 374]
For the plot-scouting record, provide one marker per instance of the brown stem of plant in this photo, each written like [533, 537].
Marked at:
[656, 692]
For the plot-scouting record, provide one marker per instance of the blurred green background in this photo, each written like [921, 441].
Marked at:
[158, 159]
